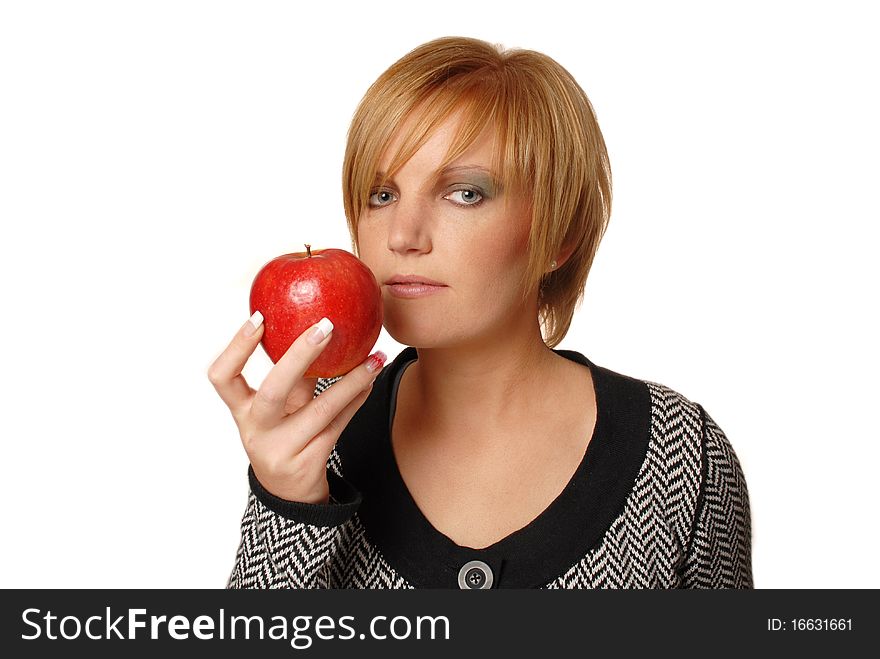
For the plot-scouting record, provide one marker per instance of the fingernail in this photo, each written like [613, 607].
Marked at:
[253, 323]
[376, 361]
[321, 331]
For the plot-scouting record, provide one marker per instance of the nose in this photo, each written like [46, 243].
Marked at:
[409, 227]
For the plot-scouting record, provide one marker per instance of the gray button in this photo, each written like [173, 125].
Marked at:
[475, 574]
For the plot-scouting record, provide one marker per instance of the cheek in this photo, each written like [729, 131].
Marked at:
[368, 247]
[498, 264]
[507, 250]
[503, 260]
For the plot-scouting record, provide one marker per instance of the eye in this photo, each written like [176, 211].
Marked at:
[380, 198]
[465, 197]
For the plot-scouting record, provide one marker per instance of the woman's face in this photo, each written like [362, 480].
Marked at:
[455, 227]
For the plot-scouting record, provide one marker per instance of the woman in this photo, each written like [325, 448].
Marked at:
[477, 189]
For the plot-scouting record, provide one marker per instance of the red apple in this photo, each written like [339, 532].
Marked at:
[294, 291]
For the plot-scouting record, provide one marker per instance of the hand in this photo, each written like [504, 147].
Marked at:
[288, 434]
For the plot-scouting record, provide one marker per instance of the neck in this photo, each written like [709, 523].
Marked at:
[483, 391]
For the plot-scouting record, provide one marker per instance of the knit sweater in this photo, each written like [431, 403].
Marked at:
[659, 500]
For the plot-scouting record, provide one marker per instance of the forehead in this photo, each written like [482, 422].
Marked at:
[454, 139]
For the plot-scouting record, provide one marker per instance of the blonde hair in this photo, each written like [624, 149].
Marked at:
[548, 148]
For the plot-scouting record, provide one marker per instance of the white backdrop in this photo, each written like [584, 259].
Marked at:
[153, 155]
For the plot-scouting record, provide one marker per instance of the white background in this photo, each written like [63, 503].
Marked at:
[154, 155]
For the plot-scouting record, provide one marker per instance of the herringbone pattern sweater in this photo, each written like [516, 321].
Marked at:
[659, 501]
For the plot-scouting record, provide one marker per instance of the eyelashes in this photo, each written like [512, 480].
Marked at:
[375, 201]
[469, 197]
[463, 196]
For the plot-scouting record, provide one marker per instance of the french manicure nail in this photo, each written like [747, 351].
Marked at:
[376, 361]
[320, 332]
[253, 323]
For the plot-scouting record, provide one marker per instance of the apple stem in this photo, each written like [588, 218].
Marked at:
[309, 250]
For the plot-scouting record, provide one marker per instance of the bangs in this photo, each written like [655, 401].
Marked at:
[481, 103]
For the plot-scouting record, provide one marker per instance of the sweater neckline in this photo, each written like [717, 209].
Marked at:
[501, 545]
[549, 544]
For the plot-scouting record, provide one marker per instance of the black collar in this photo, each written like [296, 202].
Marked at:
[534, 555]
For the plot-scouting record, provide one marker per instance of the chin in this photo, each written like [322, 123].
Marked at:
[441, 336]
[423, 328]
[416, 339]
[420, 336]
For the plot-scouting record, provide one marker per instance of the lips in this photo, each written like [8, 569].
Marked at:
[413, 279]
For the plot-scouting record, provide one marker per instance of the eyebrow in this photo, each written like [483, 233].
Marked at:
[459, 168]
[452, 170]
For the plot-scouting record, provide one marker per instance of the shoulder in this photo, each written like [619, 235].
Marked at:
[678, 430]
[676, 420]
[684, 428]
[673, 422]
[671, 476]
[704, 474]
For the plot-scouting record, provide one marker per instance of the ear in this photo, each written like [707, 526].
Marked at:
[563, 255]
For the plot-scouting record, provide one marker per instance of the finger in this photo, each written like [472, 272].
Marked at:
[321, 446]
[225, 372]
[321, 411]
[303, 392]
[268, 406]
